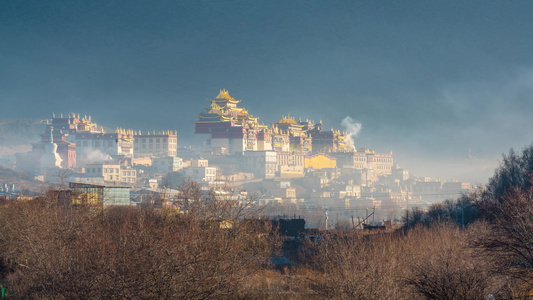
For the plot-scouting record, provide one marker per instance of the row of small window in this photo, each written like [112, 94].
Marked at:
[384, 167]
[99, 170]
[94, 144]
[150, 146]
[128, 173]
[151, 140]
[282, 159]
[383, 160]
[281, 140]
[117, 178]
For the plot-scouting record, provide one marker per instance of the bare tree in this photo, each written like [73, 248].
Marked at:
[444, 266]
[510, 238]
[354, 266]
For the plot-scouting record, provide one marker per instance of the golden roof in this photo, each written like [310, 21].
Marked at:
[224, 96]
[213, 116]
[203, 118]
[287, 120]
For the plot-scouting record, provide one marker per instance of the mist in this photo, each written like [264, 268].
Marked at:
[17, 136]
[428, 80]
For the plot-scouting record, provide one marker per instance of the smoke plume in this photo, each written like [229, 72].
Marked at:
[352, 129]
[95, 155]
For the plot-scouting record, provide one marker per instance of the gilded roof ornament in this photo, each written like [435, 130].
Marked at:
[224, 95]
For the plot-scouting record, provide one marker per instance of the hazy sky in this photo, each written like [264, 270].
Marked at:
[446, 85]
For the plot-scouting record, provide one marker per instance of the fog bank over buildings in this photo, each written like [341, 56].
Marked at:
[293, 165]
[446, 86]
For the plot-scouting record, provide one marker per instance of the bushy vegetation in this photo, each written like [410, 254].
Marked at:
[422, 263]
[52, 251]
[221, 250]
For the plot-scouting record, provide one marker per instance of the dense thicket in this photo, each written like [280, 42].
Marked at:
[222, 250]
[49, 251]
[421, 263]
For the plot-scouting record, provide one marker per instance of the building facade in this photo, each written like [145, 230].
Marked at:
[160, 144]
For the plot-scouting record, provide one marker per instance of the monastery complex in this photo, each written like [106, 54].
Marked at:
[295, 162]
[231, 130]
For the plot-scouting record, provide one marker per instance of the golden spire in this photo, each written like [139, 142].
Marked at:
[61, 115]
[53, 115]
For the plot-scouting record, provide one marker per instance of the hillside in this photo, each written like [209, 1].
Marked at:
[20, 131]
[20, 179]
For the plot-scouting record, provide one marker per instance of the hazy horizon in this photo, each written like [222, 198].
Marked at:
[445, 85]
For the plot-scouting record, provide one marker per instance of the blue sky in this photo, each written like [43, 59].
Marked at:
[446, 85]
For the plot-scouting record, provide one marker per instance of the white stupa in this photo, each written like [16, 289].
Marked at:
[51, 158]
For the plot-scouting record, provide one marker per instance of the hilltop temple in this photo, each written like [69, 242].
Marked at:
[233, 130]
